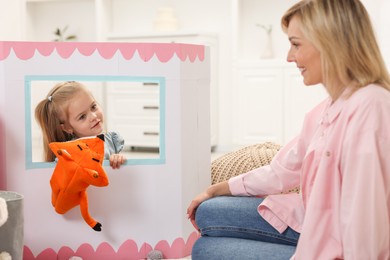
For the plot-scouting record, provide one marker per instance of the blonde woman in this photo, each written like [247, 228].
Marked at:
[339, 160]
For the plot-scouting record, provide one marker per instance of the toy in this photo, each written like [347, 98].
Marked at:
[3, 218]
[155, 255]
[79, 165]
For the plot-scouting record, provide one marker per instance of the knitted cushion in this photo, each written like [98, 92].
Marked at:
[242, 161]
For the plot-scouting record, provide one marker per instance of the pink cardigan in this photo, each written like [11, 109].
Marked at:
[341, 160]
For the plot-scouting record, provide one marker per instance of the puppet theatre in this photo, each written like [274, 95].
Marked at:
[143, 206]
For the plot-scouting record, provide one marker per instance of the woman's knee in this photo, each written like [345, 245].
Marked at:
[225, 210]
[205, 211]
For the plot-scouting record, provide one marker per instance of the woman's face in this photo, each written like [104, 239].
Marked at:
[304, 54]
[85, 116]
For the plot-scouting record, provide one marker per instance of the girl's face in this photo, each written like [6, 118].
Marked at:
[304, 54]
[85, 116]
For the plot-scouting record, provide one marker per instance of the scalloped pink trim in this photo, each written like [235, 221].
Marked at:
[128, 250]
[163, 51]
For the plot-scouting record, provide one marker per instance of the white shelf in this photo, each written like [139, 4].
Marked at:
[48, 1]
[242, 63]
[151, 35]
[251, 39]
[43, 17]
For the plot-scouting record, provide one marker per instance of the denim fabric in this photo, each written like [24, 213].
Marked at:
[228, 248]
[225, 221]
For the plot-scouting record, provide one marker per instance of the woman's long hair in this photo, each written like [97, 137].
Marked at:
[342, 31]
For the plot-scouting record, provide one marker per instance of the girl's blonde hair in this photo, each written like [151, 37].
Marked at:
[342, 31]
[52, 112]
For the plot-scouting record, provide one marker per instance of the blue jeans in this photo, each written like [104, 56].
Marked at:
[231, 228]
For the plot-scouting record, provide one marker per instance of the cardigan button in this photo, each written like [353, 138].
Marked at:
[327, 153]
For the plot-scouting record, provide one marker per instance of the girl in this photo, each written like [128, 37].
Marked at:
[69, 112]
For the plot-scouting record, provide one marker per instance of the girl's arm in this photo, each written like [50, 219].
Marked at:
[115, 144]
[116, 160]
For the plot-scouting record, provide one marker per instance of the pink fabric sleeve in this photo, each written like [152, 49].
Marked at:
[284, 171]
[282, 174]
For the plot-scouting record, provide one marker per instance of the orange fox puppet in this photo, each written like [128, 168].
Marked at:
[79, 165]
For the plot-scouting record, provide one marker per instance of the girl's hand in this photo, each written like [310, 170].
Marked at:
[116, 160]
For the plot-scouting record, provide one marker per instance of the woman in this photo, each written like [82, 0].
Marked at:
[339, 159]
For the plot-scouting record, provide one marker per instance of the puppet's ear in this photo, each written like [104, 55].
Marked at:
[64, 153]
[57, 149]
[92, 173]
[54, 147]
[101, 136]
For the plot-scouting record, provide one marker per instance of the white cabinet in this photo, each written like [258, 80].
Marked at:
[209, 40]
[134, 110]
[271, 102]
[258, 104]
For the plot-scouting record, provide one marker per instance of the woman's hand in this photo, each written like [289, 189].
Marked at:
[194, 205]
[218, 189]
[116, 160]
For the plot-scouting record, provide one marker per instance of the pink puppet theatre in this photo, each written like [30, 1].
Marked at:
[156, 95]
[79, 165]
